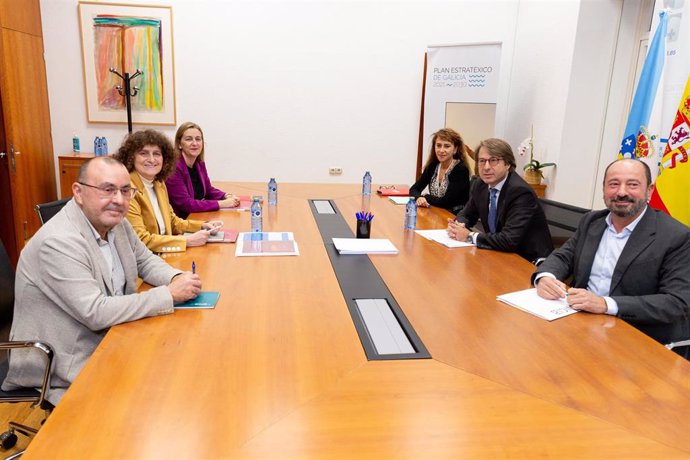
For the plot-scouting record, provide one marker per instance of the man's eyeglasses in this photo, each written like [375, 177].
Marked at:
[109, 191]
[493, 161]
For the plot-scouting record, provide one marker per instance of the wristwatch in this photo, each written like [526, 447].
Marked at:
[470, 237]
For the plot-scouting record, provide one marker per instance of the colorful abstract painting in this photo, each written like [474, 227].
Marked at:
[128, 38]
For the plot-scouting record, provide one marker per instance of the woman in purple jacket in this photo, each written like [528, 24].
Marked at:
[189, 187]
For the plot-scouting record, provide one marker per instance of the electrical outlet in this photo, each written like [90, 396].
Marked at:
[335, 170]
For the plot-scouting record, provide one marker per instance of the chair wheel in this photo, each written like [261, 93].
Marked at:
[8, 439]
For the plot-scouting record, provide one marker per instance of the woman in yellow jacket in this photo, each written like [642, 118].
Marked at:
[150, 158]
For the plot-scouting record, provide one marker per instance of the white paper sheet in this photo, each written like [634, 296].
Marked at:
[441, 236]
[529, 301]
[364, 246]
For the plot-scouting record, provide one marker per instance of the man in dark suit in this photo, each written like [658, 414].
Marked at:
[630, 260]
[506, 205]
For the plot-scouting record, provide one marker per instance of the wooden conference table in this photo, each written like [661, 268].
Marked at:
[276, 370]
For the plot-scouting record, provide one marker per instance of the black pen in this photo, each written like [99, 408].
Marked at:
[193, 268]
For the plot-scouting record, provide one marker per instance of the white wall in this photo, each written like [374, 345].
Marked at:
[542, 64]
[289, 88]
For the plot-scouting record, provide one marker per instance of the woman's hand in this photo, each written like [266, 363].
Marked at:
[421, 201]
[197, 239]
[230, 201]
[213, 226]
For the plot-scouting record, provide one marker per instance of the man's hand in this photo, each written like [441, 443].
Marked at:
[578, 299]
[457, 230]
[184, 286]
[550, 288]
[582, 299]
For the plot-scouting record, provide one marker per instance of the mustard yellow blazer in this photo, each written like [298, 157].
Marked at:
[144, 222]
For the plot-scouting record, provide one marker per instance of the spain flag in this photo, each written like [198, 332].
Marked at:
[671, 192]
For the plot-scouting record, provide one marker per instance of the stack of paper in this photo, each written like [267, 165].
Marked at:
[441, 236]
[364, 246]
[529, 301]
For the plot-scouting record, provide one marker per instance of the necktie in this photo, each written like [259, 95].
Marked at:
[492, 210]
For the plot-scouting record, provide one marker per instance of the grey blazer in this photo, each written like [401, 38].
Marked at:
[63, 296]
[651, 281]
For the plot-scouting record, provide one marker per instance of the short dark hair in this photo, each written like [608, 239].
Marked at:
[136, 141]
[647, 171]
[497, 148]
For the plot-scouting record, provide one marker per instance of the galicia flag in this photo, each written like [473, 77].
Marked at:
[636, 140]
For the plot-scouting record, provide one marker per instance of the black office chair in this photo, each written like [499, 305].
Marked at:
[47, 210]
[562, 218]
[9, 438]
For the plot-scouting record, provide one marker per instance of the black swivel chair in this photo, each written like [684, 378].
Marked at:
[562, 218]
[9, 438]
[47, 210]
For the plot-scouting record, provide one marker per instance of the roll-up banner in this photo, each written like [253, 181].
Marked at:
[461, 90]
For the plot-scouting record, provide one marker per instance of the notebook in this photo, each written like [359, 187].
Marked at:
[206, 299]
[224, 236]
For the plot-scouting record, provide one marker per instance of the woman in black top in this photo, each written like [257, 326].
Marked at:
[446, 173]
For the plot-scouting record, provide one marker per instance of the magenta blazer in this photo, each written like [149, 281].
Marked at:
[181, 191]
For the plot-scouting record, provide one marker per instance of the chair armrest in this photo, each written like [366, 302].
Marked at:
[682, 343]
[49, 355]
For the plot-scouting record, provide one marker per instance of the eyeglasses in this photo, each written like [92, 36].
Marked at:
[109, 191]
[493, 161]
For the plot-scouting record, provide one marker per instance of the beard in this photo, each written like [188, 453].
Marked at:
[637, 205]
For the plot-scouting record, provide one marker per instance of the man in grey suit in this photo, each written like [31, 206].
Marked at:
[77, 277]
[630, 261]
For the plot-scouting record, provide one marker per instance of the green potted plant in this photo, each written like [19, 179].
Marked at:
[533, 168]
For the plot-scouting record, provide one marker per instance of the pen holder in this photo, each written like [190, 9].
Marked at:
[363, 228]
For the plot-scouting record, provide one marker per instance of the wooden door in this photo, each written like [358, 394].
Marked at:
[28, 175]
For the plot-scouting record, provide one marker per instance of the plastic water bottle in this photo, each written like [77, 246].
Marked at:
[366, 184]
[97, 150]
[104, 146]
[75, 144]
[411, 214]
[257, 221]
[272, 192]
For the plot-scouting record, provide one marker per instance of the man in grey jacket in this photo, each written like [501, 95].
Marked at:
[77, 277]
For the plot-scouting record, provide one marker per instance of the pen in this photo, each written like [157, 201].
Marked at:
[565, 291]
[193, 268]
